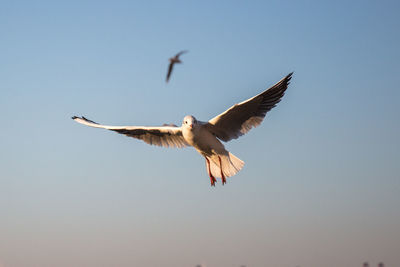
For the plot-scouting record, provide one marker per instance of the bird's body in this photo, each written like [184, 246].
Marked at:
[205, 136]
[201, 139]
[218, 160]
[174, 60]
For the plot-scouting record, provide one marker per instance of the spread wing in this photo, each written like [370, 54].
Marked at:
[170, 67]
[180, 53]
[166, 136]
[240, 118]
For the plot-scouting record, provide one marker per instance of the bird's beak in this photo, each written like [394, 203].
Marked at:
[191, 126]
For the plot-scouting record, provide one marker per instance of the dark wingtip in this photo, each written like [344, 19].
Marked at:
[74, 117]
[86, 119]
[289, 77]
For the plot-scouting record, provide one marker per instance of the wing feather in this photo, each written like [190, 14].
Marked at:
[170, 67]
[242, 117]
[180, 53]
[166, 136]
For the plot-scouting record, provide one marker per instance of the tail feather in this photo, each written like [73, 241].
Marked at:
[230, 165]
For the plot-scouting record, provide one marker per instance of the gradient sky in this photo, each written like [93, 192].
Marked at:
[321, 184]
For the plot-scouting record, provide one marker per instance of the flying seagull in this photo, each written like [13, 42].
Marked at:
[206, 137]
[173, 61]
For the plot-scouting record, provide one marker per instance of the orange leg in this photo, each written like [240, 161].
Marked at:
[212, 178]
[222, 173]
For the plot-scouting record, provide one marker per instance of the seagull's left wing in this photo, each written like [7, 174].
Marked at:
[166, 136]
[170, 67]
[240, 118]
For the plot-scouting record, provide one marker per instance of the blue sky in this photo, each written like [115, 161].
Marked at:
[321, 182]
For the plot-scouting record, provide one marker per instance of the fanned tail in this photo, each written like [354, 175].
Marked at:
[230, 165]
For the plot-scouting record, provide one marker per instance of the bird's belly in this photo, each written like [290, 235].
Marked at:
[205, 142]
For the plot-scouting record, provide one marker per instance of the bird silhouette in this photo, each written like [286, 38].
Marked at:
[172, 62]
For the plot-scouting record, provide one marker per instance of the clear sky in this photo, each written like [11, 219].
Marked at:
[321, 184]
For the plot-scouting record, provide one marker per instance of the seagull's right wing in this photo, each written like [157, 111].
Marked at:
[166, 136]
[180, 53]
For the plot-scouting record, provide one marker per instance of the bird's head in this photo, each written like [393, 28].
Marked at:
[189, 122]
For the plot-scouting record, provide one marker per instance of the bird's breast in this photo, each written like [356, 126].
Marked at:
[204, 141]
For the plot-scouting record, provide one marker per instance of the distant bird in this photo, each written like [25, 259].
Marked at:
[172, 62]
[205, 136]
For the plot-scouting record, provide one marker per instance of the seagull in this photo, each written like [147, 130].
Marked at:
[172, 61]
[206, 137]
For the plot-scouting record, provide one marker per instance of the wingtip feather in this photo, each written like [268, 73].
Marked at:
[77, 118]
[289, 76]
